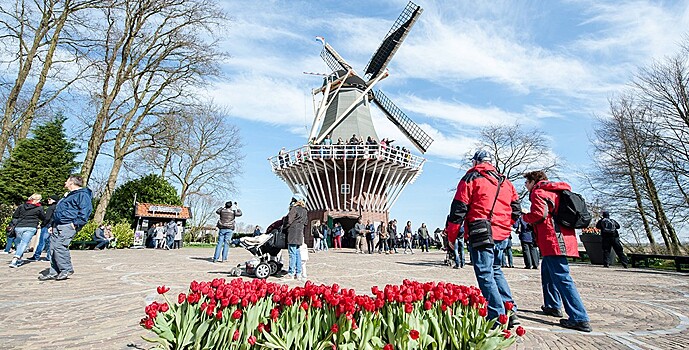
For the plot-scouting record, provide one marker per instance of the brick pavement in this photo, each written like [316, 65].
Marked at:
[100, 306]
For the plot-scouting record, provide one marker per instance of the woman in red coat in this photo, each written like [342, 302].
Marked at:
[556, 244]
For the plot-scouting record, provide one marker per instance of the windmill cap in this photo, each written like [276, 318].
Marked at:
[482, 156]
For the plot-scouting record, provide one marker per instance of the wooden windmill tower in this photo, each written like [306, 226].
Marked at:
[348, 181]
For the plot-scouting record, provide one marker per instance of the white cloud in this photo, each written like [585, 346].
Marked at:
[457, 112]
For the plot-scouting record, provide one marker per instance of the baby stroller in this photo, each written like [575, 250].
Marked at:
[266, 250]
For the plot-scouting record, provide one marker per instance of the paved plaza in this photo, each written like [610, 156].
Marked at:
[99, 307]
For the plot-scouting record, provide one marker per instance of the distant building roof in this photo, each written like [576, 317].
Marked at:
[149, 210]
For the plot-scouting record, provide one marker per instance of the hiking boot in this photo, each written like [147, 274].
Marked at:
[582, 326]
[551, 311]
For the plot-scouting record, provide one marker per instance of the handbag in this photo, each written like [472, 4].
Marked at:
[481, 231]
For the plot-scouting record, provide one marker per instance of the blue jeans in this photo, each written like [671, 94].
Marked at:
[490, 279]
[459, 252]
[10, 242]
[559, 288]
[324, 243]
[224, 239]
[24, 235]
[294, 259]
[507, 259]
[43, 244]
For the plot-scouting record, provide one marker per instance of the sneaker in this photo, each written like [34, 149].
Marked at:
[455, 267]
[33, 258]
[551, 311]
[513, 321]
[582, 326]
[63, 275]
[46, 277]
[15, 263]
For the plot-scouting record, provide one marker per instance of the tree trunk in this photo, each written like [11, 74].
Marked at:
[99, 214]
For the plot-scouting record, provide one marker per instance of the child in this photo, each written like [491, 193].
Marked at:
[304, 252]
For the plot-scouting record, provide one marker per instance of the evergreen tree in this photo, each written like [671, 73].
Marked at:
[148, 189]
[40, 164]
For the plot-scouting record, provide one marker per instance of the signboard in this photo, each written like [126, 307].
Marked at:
[139, 238]
[164, 209]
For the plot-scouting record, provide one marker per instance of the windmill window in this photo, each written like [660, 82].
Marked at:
[344, 189]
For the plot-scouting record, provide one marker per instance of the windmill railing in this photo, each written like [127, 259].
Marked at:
[346, 152]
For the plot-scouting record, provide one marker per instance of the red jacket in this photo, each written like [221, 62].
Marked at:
[474, 198]
[545, 200]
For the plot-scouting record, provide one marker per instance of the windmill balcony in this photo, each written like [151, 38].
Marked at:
[346, 152]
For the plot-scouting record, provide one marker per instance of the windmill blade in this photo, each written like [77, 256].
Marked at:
[410, 129]
[332, 58]
[393, 40]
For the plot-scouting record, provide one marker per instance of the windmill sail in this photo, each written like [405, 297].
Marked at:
[410, 129]
[393, 40]
[333, 59]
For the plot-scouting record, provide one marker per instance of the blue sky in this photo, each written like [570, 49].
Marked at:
[465, 65]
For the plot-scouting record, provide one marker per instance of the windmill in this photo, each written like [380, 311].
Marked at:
[347, 181]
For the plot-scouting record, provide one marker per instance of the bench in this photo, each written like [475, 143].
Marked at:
[679, 260]
[83, 245]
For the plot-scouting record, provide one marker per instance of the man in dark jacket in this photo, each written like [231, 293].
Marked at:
[226, 229]
[46, 229]
[611, 239]
[556, 243]
[529, 249]
[487, 204]
[71, 214]
[297, 220]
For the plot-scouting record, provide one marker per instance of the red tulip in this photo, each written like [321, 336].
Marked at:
[414, 334]
[164, 307]
[408, 308]
[237, 314]
[427, 305]
[181, 298]
[218, 314]
[388, 347]
[235, 336]
[483, 312]
[251, 340]
[506, 333]
[502, 319]
[334, 328]
[163, 289]
[521, 331]
[509, 305]
[261, 327]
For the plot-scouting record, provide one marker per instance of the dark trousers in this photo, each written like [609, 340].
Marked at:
[530, 252]
[614, 243]
[423, 243]
[369, 245]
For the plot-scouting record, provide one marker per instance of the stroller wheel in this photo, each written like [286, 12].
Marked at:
[235, 272]
[273, 267]
[262, 270]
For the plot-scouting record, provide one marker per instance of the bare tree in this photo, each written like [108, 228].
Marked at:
[36, 31]
[154, 56]
[516, 150]
[198, 150]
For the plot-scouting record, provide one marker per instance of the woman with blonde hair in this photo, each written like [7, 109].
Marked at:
[26, 220]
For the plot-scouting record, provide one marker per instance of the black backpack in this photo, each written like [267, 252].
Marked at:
[572, 211]
[607, 226]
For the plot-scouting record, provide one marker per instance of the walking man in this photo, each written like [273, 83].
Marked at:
[225, 229]
[423, 237]
[71, 214]
[487, 204]
[361, 231]
[611, 239]
[297, 219]
[556, 243]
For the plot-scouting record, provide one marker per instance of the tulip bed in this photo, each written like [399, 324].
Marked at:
[257, 314]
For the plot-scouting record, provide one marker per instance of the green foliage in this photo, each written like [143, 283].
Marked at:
[3, 234]
[86, 232]
[124, 234]
[148, 189]
[38, 165]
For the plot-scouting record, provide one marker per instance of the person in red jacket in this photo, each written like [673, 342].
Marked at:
[482, 208]
[556, 244]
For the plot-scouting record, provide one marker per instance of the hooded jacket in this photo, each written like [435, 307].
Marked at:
[474, 199]
[552, 239]
[28, 215]
[74, 208]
